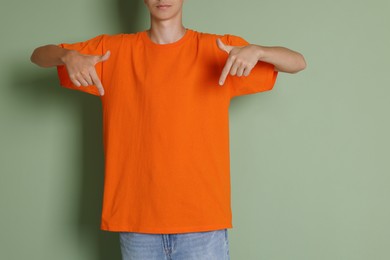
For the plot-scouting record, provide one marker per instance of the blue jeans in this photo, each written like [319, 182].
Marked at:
[208, 245]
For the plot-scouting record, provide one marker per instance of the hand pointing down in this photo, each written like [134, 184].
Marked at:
[241, 60]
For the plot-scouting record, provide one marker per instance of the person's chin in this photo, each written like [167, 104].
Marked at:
[162, 17]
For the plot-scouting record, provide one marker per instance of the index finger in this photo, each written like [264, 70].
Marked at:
[225, 71]
[97, 82]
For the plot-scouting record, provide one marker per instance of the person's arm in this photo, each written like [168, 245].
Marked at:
[49, 56]
[284, 60]
[80, 67]
[242, 59]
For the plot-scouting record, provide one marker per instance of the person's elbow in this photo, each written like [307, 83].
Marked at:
[43, 56]
[300, 64]
[303, 63]
[294, 65]
[34, 58]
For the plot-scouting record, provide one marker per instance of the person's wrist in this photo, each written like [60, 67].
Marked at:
[260, 52]
[66, 55]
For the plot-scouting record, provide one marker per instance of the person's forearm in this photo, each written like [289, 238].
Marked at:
[284, 60]
[49, 55]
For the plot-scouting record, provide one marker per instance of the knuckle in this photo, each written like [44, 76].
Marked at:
[75, 83]
[85, 72]
[96, 82]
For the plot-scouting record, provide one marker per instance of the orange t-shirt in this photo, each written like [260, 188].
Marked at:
[166, 129]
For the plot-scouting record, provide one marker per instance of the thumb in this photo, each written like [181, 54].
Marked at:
[224, 47]
[105, 56]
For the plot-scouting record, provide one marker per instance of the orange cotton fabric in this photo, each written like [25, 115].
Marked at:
[166, 129]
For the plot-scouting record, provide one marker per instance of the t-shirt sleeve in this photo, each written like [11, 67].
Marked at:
[94, 46]
[262, 77]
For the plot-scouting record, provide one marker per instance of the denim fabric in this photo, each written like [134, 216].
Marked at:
[208, 245]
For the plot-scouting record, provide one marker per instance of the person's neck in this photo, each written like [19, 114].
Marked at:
[164, 32]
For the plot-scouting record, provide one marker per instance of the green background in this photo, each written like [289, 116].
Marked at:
[309, 159]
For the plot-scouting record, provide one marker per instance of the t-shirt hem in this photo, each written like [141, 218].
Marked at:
[113, 228]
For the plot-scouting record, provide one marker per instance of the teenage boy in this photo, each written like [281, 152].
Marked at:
[165, 94]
